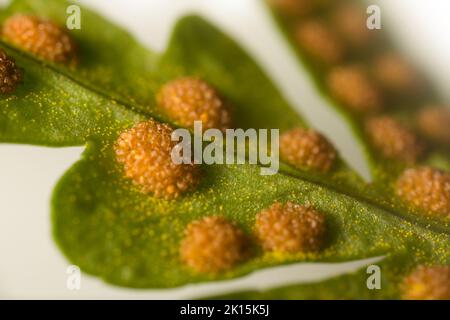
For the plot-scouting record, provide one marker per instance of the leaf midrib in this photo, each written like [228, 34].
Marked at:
[87, 86]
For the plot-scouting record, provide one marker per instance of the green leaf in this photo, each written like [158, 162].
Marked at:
[106, 226]
[402, 106]
[110, 229]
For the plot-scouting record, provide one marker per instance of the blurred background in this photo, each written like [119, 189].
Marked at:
[30, 264]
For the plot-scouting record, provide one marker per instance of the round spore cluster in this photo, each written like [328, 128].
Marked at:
[307, 149]
[189, 99]
[291, 228]
[354, 88]
[319, 41]
[10, 75]
[145, 153]
[395, 74]
[349, 20]
[40, 37]
[426, 188]
[393, 139]
[213, 244]
[427, 283]
[434, 123]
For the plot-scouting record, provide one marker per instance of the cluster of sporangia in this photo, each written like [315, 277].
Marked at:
[40, 37]
[10, 74]
[214, 244]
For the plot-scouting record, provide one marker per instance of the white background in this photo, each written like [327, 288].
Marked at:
[30, 264]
